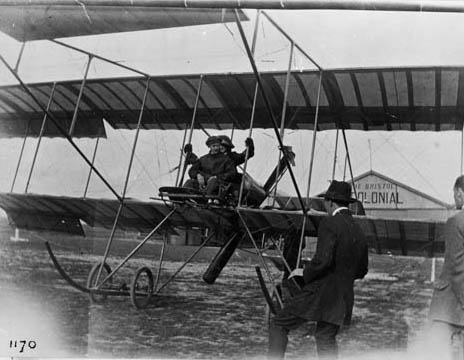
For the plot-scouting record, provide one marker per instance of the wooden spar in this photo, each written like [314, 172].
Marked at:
[372, 5]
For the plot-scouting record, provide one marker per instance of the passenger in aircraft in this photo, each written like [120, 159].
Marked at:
[327, 296]
[447, 306]
[237, 158]
[212, 170]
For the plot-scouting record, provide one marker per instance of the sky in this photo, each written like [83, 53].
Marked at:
[428, 161]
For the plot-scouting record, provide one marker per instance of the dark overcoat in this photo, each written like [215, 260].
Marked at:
[341, 257]
[448, 295]
[218, 165]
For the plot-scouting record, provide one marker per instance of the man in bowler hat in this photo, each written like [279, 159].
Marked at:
[327, 296]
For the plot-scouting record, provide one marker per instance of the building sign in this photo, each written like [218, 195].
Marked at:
[378, 192]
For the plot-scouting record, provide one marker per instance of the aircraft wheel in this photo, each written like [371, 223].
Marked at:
[141, 289]
[96, 298]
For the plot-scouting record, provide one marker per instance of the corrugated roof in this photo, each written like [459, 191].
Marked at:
[429, 99]
[49, 21]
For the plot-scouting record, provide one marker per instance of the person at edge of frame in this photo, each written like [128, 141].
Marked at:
[446, 312]
[211, 170]
[327, 296]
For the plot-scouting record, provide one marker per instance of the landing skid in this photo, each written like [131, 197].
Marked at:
[143, 287]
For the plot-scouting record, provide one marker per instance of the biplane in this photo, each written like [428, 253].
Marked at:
[390, 99]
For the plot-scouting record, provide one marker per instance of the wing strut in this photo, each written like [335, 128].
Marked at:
[60, 129]
[284, 110]
[268, 108]
[21, 155]
[126, 182]
[192, 125]
[132, 253]
[268, 272]
[79, 97]
[313, 149]
[42, 130]
[335, 154]
[253, 109]
[97, 141]
[349, 163]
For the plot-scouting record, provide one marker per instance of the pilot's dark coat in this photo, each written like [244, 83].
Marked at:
[448, 296]
[341, 257]
[217, 165]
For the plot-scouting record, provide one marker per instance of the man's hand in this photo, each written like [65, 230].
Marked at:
[201, 180]
[249, 142]
[296, 272]
[188, 148]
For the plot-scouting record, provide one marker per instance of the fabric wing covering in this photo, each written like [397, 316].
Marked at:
[428, 99]
[39, 20]
[65, 214]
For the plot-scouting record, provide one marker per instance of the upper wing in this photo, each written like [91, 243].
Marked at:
[48, 20]
[64, 214]
[366, 99]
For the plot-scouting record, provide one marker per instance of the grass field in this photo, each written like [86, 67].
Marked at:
[190, 319]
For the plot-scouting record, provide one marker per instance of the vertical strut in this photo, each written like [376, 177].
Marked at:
[311, 163]
[253, 109]
[192, 125]
[335, 154]
[284, 110]
[121, 201]
[39, 140]
[20, 155]
[349, 163]
[462, 148]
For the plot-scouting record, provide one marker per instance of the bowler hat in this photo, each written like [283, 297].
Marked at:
[339, 191]
[213, 140]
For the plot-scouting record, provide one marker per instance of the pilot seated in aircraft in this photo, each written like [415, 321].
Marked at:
[212, 170]
[238, 159]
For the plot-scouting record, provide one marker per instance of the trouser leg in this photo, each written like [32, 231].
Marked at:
[326, 343]
[278, 339]
[279, 327]
[191, 184]
[212, 186]
[439, 341]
